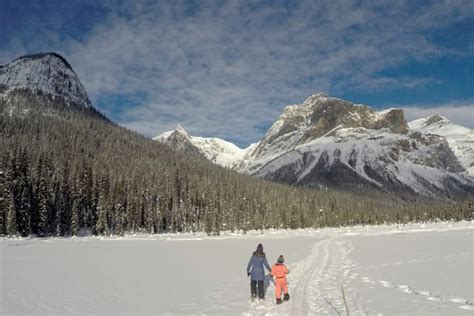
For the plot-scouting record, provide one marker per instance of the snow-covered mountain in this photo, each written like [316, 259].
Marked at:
[216, 150]
[329, 142]
[47, 73]
[460, 139]
[318, 115]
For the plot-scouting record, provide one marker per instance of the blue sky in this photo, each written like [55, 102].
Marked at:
[228, 68]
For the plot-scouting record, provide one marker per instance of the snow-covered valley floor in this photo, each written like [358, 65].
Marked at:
[388, 270]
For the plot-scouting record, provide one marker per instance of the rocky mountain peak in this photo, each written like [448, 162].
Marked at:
[214, 149]
[179, 134]
[49, 73]
[46, 56]
[321, 114]
[334, 112]
[435, 118]
[180, 130]
[180, 140]
[460, 139]
[320, 96]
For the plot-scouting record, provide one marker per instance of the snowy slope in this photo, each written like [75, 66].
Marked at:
[460, 139]
[48, 73]
[418, 269]
[374, 158]
[216, 150]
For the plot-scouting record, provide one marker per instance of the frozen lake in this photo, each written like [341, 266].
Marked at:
[416, 269]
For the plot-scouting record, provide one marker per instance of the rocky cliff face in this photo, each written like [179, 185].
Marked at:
[47, 73]
[459, 138]
[320, 115]
[362, 159]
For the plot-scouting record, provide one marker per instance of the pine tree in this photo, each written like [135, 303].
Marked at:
[120, 209]
[8, 212]
[101, 226]
[149, 212]
[4, 195]
[217, 215]
[43, 199]
[23, 213]
[89, 197]
[208, 221]
[23, 197]
[64, 205]
[11, 216]
[75, 218]
[119, 220]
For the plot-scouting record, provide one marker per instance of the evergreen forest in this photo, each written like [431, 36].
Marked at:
[67, 170]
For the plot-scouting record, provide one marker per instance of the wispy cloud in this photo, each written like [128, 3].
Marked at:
[227, 68]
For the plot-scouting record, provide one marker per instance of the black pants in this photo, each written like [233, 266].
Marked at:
[253, 289]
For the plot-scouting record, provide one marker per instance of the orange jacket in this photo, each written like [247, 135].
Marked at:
[279, 270]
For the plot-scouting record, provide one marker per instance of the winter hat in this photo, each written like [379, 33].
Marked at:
[280, 259]
[259, 248]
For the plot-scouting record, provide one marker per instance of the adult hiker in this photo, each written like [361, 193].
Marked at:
[257, 273]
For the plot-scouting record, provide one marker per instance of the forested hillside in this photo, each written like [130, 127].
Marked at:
[67, 170]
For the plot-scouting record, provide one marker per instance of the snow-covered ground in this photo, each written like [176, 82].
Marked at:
[411, 270]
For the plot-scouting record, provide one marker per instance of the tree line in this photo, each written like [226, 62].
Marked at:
[66, 171]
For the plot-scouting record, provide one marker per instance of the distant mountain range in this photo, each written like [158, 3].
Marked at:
[325, 142]
[330, 142]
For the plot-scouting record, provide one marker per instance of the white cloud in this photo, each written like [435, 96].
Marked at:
[228, 68]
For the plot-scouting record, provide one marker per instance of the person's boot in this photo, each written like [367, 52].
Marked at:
[253, 297]
[286, 297]
[278, 300]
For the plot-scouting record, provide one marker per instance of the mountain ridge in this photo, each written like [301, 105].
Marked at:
[326, 141]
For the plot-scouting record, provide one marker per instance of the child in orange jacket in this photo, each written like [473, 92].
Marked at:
[279, 272]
